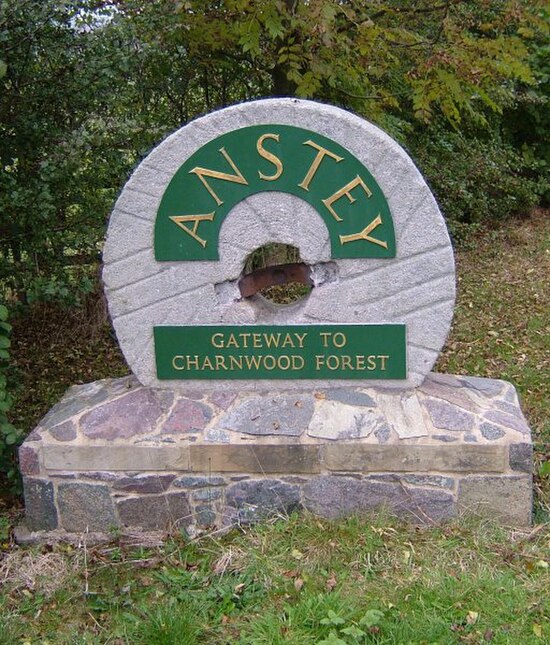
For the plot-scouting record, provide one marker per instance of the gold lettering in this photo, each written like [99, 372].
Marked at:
[220, 362]
[316, 162]
[298, 362]
[346, 362]
[218, 344]
[270, 157]
[300, 338]
[272, 339]
[325, 336]
[236, 361]
[193, 362]
[365, 234]
[332, 362]
[178, 358]
[237, 178]
[232, 341]
[244, 337]
[207, 363]
[371, 363]
[342, 340]
[257, 341]
[360, 362]
[287, 341]
[273, 362]
[319, 361]
[345, 190]
[252, 362]
[180, 219]
[383, 362]
[280, 362]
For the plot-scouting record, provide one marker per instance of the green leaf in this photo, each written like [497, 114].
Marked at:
[3, 312]
[332, 639]
[3, 69]
[353, 631]
[544, 469]
[4, 342]
[372, 618]
[332, 619]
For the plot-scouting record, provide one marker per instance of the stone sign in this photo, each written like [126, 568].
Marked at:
[242, 407]
[291, 172]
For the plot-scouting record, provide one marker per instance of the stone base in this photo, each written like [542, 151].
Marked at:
[114, 455]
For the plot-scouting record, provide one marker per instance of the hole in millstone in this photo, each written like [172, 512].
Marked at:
[277, 273]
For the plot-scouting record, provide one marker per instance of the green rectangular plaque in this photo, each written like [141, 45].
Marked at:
[236, 352]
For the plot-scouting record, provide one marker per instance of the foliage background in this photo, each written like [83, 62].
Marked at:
[89, 86]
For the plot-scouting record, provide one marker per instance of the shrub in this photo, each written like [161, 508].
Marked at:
[10, 437]
[476, 180]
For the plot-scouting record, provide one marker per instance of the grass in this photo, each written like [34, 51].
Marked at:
[300, 579]
[294, 580]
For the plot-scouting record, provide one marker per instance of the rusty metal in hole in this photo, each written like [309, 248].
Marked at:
[274, 275]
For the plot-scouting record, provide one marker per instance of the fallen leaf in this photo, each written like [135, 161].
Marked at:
[537, 630]
[542, 564]
[320, 395]
[298, 584]
[298, 555]
[472, 617]
[331, 582]
[239, 587]
[488, 636]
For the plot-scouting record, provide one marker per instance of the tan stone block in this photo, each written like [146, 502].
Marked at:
[113, 458]
[508, 498]
[424, 458]
[265, 458]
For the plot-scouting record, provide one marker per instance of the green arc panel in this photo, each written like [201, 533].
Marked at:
[264, 158]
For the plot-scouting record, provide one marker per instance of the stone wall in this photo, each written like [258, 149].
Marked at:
[116, 455]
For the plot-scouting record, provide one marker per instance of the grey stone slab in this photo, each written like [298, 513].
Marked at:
[446, 438]
[156, 512]
[85, 507]
[445, 458]
[259, 458]
[116, 458]
[270, 415]
[350, 396]
[144, 484]
[65, 431]
[133, 414]
[217, 435]
[447, 416]
[508, 499]
[515, 422]
[383, 433]
[193, 481]
[521, 457]
[335, 497]
[254, 499]
[40, 510]
[338, 421]
[450, 393]
[205, 516]
[206, 494]
[29, 461]
[429, 480]
[404, 414]
[490, 387]
[491, 431]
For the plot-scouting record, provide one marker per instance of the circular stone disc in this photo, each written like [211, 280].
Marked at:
[416, 288]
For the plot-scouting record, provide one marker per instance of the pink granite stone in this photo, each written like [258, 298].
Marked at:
[187, 416]
[133, 414]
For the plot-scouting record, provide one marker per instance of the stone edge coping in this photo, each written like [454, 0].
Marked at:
[446, 409]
